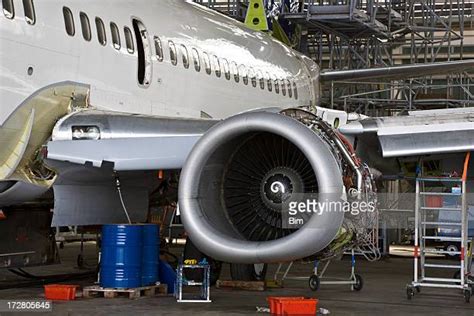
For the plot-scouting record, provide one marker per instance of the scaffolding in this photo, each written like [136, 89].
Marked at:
[357, 34]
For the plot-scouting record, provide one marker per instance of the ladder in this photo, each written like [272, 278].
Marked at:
[424, 212]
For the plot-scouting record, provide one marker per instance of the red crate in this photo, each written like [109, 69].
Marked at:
[434, 201]
[305, 306]
[292, 305]
[63, 292]
[275, 305]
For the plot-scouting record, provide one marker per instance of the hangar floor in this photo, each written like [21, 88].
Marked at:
[383, 293]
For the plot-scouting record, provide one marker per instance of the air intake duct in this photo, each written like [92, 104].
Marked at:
[239, 177]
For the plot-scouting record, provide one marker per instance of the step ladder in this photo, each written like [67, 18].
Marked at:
[424, 212]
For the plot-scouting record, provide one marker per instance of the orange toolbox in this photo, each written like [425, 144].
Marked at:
[63, 292]
[292, 305]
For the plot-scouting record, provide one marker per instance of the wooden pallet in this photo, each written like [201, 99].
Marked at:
[131, 293]
[241, 285]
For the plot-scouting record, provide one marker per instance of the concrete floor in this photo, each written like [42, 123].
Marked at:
[383, 293]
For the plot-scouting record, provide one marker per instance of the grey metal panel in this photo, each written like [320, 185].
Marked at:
[131, 142]
[19, 192]
[97, 204]
[149, 153]
[396, 145]
[420, 133]
[84, 195]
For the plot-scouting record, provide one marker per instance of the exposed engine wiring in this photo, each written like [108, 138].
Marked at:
[359, 232]
[119, 190]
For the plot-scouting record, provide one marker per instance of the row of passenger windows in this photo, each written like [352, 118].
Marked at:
[209, 63]
[100, 28]
[229, 69]
[28, 8]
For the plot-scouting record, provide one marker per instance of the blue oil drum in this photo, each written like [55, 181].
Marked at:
[151, 254]
[121, 257]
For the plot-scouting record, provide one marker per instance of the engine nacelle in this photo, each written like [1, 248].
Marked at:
[236, 179]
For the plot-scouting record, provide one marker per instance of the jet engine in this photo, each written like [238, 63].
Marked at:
[239, 178]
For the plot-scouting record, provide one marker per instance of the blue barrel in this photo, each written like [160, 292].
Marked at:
[151, 254]
[121, 257]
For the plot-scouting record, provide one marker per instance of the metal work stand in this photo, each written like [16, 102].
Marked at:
[461, 279]
[355, 280]
[181, 281]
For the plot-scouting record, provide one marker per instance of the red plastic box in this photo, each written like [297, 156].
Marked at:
[292, 305]
[63, 292]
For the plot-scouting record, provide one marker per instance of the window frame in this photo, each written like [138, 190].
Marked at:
[129, 44]
[101, 32]
[283, 87]
[225, 68]
[173, 53]
[207, 63]
[244, 74]
[85, 26]
[196, 59]
[158, 48]
[260, 79]
[295, 90]
[235, 70]
[217, 66]
[31, 20]
[69, 21]
[289, 89]
[252, 77]
[269, 83]
[276, 84]
[116, 41]
[9, 15]
[184, 55]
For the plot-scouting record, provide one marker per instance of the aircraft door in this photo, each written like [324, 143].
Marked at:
[145, 68]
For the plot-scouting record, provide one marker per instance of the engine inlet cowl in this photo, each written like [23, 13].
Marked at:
[240, 174]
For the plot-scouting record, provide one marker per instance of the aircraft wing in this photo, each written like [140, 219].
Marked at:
[419, 133]
[89, 148]
[128, 142]
[398, 72]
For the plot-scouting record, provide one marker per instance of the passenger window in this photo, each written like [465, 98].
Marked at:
[269, 83]
[225, 66]
[261, 80]
[288, 86]
[243, 73]
[217, 66]
[29, 9]
[101, 35]
[252, 77]
[234, 71]
[8, 9]
[129, 40]
[85, 26]
[115, 35]
[283, 88]
[295, 91]
[68, 21]
[184, 53]
[196, 60]
[173, 55]
[207, 63]
[158, 48]
[277, 86]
